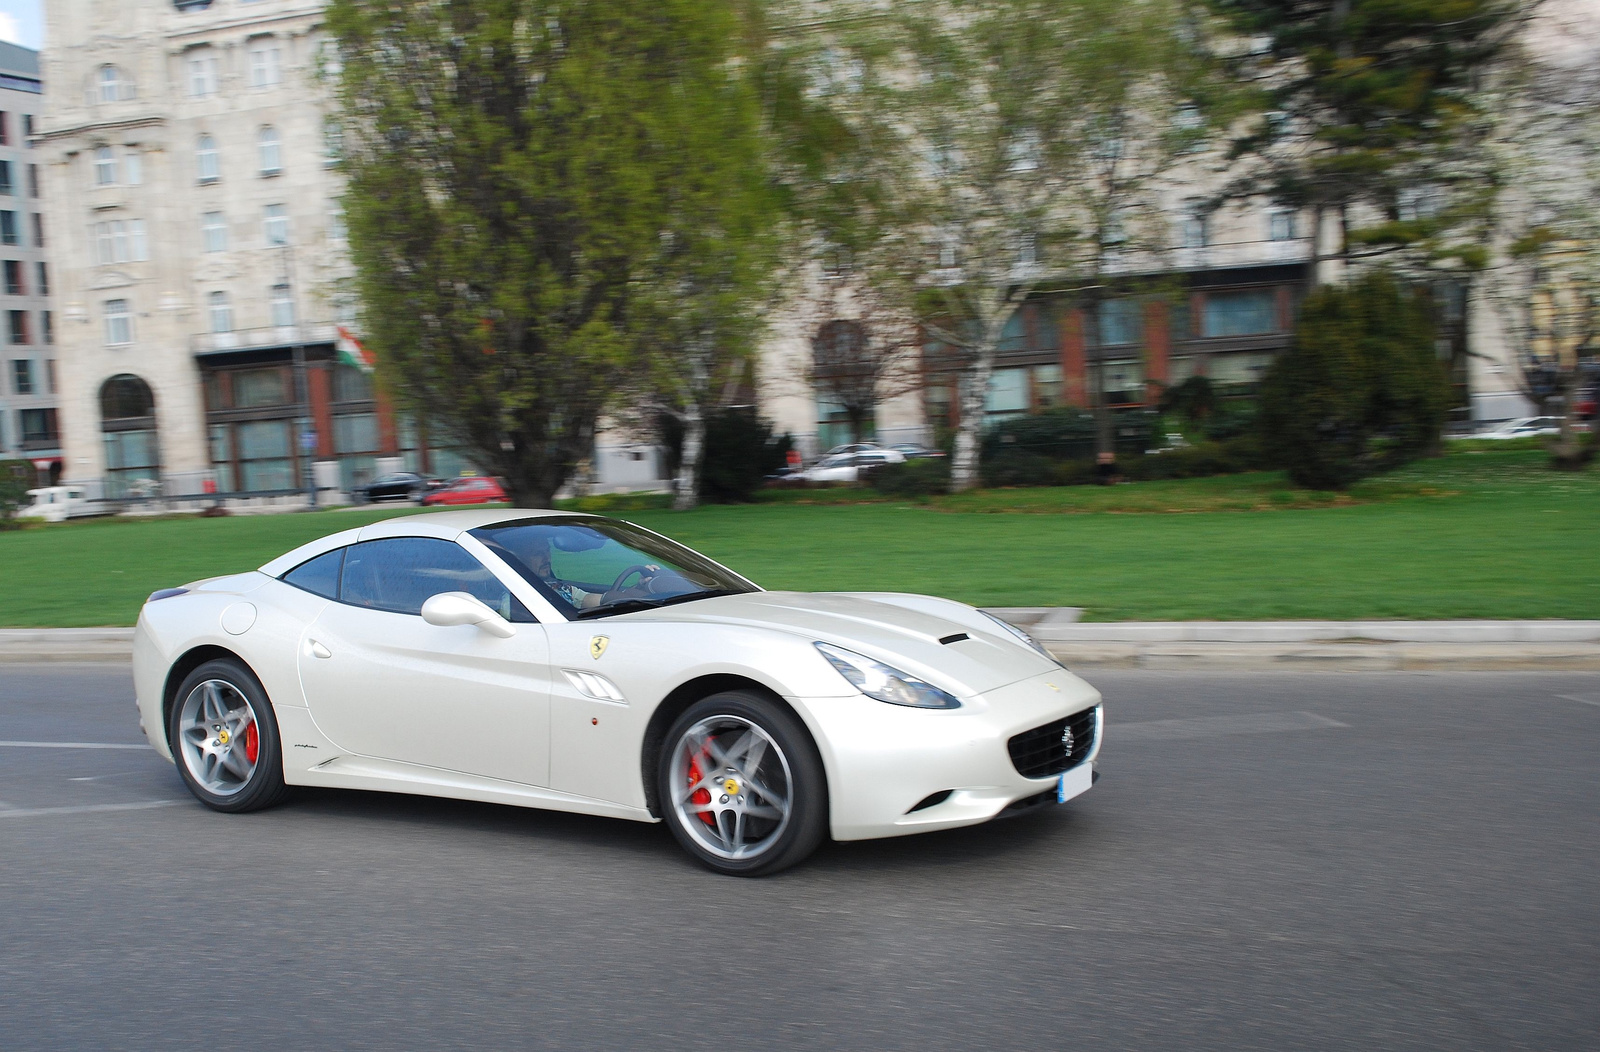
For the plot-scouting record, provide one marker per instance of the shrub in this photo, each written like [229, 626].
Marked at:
[740, 452]
[16, 478]
[1018, 467]
[915, 478]
[1067, 434]
[1360, 389]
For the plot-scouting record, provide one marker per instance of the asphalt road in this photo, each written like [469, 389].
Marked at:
[1276, 862]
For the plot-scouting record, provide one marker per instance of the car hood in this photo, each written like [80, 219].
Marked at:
[901, 631]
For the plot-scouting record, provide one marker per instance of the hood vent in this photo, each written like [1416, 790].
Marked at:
[958, 637]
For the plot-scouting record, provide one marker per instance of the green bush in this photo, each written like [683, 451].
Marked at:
[1068, 434]
[1360, 389]
[16, 478]
[740, 452]
[922, 477]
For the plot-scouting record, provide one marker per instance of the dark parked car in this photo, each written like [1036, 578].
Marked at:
[402, 485]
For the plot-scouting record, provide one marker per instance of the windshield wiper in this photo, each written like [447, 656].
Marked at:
[629, 606]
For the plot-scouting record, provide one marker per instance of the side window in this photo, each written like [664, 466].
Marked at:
[319, 576]
[398, 574]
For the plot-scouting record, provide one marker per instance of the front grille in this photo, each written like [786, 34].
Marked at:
[1043, 751]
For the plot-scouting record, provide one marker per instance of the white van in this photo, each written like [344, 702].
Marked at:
[58, 504]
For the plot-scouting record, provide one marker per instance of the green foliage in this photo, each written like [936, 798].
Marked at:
[1376, 102]
[921, 477]
[1360, 389]
[1201, 460]
[16, 478]
[1067, 433]
[535, 190]
[740, 452]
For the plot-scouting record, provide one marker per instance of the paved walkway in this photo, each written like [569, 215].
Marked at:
[1357, 646]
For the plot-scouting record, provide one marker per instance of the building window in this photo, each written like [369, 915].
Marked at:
[120, 241]
[270, 151]
[264, 63]
[1281, 224]
[207, 165]
[332, 142]
[17, 326]
[5, 178]
[1119, 322]
[220, 311]
[132, 167]
[27, 128]
[8, 228]
[1046, 386]
[21, 376]
[214, 232]
[42, 270]
[1195, 232]
[14, 278]
[202, 73]
[336, 228]
[1245, 312]
[282, 306]
[39, 429]
[105, 166]
[33, 180]
[1007, 394]
[128, 423]
[47, 328]
[275, 224]
[38, 230]
[5, 128]
[119, 323]
[113, 85]
[50, 372]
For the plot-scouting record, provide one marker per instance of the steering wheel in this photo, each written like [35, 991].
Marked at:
[647, 573]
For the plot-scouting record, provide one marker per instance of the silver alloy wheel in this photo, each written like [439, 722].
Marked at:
[218, 737]
[731, 787]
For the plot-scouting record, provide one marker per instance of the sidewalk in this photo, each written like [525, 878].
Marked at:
[1285, 646]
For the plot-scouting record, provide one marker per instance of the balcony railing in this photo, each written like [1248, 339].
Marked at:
[265, 336]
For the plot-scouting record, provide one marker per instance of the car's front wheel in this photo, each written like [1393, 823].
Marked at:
[741, 786]
[225, 738]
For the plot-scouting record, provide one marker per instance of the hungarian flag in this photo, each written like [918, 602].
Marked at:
[352, 353]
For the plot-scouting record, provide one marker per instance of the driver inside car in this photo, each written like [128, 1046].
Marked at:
[539, 562]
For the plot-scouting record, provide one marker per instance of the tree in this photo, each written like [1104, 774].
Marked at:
[1007, 148]
[1372, 114]
[1545, 279]
[532, 210]
[1360, 389]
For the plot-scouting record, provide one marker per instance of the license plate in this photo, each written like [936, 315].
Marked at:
[1073, 782]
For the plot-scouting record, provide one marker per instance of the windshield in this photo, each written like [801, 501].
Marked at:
[590, 567]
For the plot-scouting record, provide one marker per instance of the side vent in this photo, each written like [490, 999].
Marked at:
[958, 637]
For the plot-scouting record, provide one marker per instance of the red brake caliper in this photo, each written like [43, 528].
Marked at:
[700, 797]
[252, 743]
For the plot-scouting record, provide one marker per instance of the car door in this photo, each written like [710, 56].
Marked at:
[382, 682]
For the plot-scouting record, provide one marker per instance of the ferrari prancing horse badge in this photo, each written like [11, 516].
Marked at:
[597, 646]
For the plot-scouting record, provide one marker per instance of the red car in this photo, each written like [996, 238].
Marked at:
[475, 489]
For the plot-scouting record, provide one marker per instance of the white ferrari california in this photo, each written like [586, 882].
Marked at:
[586, 664]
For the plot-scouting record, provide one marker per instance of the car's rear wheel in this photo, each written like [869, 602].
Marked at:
[741, 786]
[225, 738]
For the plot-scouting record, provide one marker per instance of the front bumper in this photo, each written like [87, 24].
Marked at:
[883, 760]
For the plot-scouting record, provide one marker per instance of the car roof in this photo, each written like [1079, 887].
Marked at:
[446, 525]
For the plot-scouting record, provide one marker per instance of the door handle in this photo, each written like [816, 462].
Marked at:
[318, 650]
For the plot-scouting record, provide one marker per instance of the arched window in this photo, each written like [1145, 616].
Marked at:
[128, 426]
[206, 161]
[267, 142]
[112, 85]
[221, 312]
[846, 382]
[105, 166]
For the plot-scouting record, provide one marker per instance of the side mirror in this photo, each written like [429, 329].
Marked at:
[459, 608]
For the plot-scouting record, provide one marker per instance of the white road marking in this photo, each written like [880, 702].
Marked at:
[36, 812]
[70, 745]
[1218, 726]
[1579, 699]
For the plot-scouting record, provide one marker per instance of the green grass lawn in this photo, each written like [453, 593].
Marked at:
[1476, 534]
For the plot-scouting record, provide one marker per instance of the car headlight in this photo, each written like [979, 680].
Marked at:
[1022, 637]
[882, 683]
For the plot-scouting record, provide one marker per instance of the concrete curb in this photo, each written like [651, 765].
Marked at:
[1283, 646]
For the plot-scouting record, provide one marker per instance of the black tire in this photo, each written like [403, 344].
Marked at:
[787, 754]
[211, 770]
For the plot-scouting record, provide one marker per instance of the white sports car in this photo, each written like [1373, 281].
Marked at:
[586, 664]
